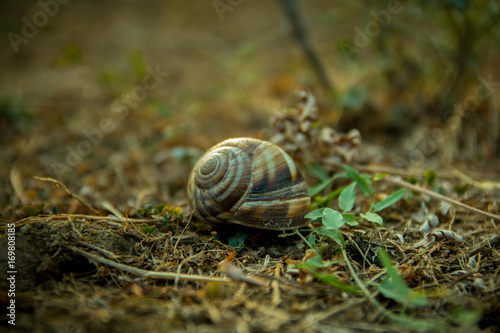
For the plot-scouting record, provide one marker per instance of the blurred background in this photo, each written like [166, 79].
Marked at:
[114, 98]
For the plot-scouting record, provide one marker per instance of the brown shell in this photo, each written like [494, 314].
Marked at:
[249, 182]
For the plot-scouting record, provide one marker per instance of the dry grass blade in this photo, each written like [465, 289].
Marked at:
[108, 219]
[438, 196]
[109, 207]
[149, 274]
[17, 184]
[317, 317]
[71, 194]
[485, 185]
[183, 231]
[236, 274]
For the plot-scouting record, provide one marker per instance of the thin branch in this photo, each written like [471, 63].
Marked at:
[292, 11]
[78, 198]
[455, 173]
[87, 217]
[235, 273]
[183, 231]
[487, 185]
[179, 267]
[452, 173]
[149, 274]
[397, 181]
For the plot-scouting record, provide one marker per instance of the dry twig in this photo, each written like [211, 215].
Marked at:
[149, 274]
[109, 207]
[78, 198]
[397, 181]
[107, 219]
[294, 15]
[182, 233]
[17, 184]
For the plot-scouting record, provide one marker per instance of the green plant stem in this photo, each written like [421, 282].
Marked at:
[365, 291]
[297, 232]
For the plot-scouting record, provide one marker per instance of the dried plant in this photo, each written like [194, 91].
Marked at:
[300, 133]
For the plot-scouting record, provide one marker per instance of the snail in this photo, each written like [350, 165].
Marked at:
[249, 182]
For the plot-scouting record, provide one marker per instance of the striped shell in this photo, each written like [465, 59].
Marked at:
[249, 182]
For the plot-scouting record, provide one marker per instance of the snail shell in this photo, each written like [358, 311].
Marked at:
[249, 182]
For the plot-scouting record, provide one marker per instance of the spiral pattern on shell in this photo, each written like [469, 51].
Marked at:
[249, 182]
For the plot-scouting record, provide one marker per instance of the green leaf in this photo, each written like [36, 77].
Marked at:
[355, 97]
[312, 238]
[71, 55]
[161, 109]
[390, 200]
[347, 197]
[333, 234]
[148, 229]
[323, 247]
[237, 241]
[315, 214]
[430, 177]
[466, 317]
[29, 211]
[158, 208]
[316, 189]
[166, 219]
[419, 325]
[138, 63]
[316, 262]
[329, 197]
[332, 219]
[461, 189]
[372, 217]
[412, 180]
[349, 219]
[318, 171]
[379, 176]
[142, 212]
[361, 182]
[332, 280]
[39, 207]
[394, 287]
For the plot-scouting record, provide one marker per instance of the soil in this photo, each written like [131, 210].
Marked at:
[105, 109]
